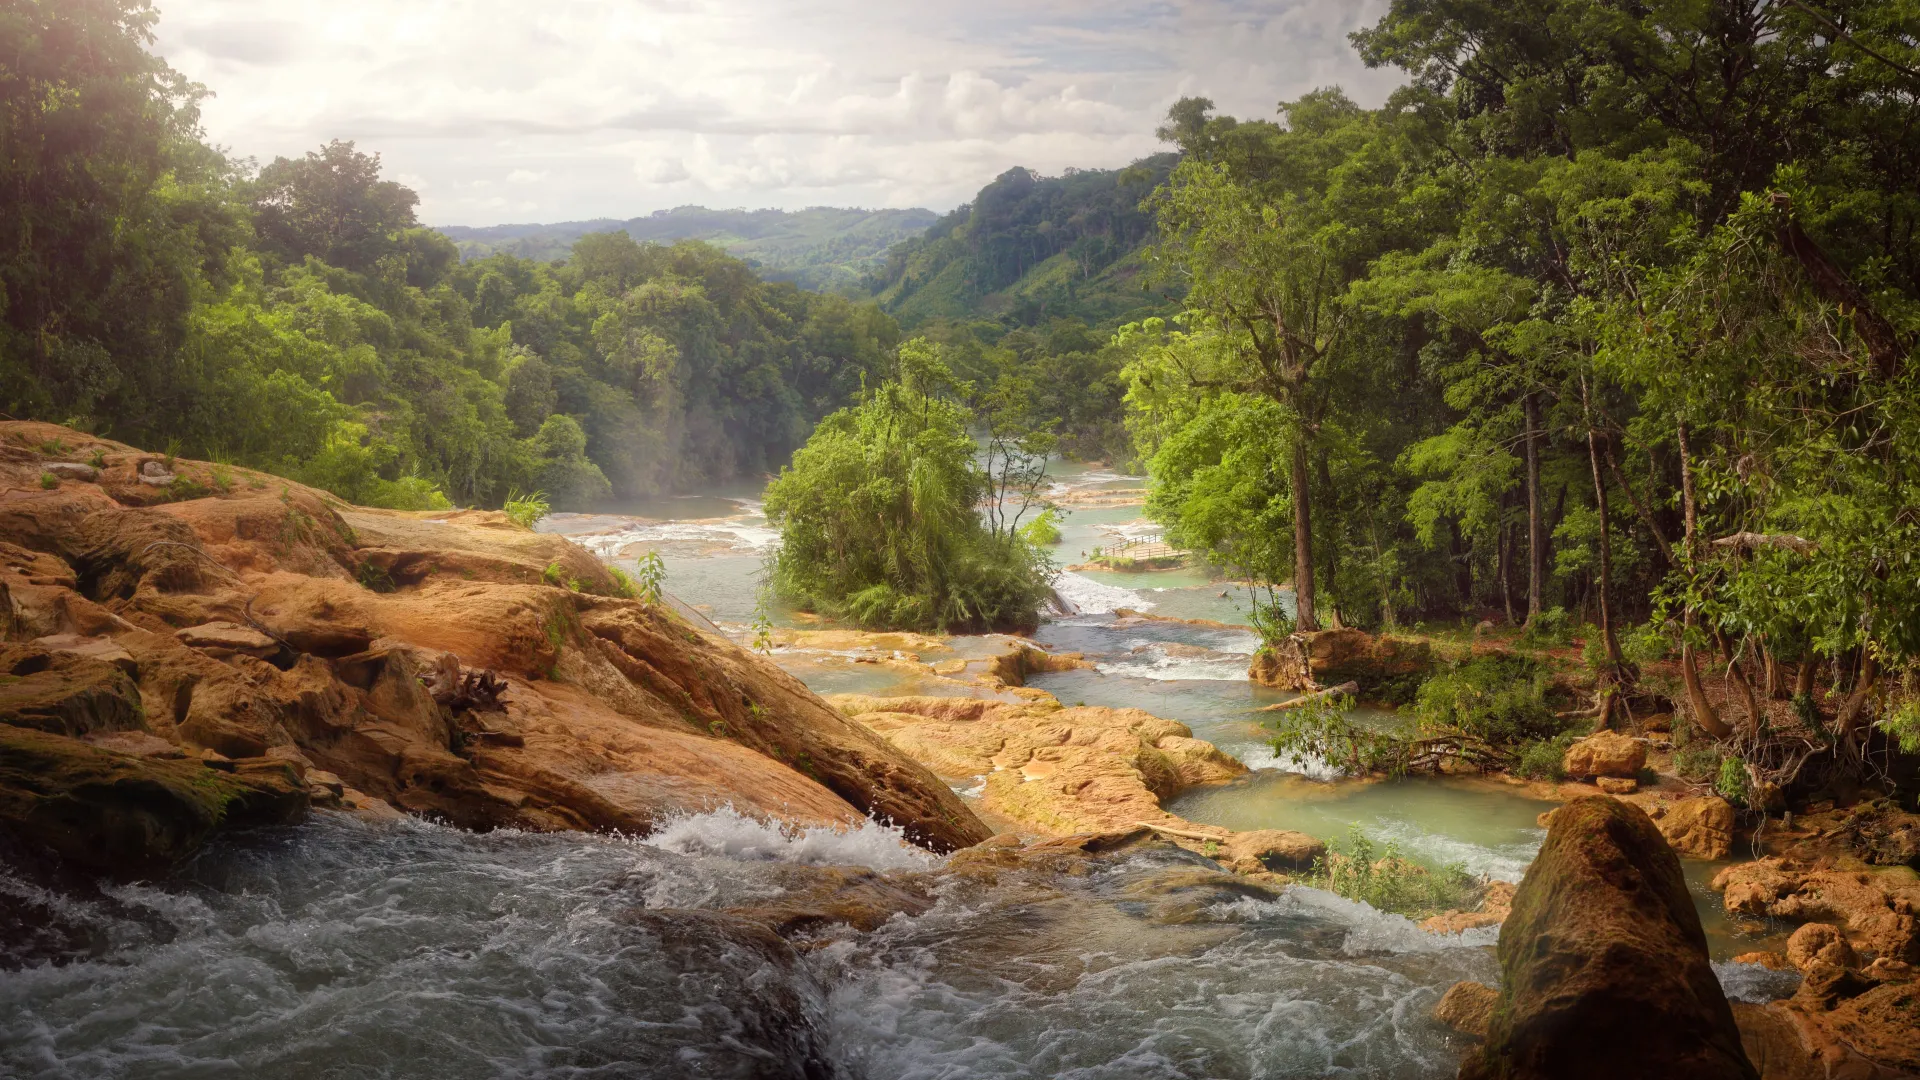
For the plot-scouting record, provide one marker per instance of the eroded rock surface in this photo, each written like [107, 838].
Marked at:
[1606, 753]
[260, 625]
[1306, 662]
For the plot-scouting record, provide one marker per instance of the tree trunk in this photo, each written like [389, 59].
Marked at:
[1854, 707]
[1304, 618]
[1803, 679]
[1536, 525]
[1605, 585]
[1703, 710]
[1506, 571]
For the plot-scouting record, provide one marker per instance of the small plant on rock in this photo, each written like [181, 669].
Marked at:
[650, 575]
[98, 460]
[554, 575]
[623, 586]
[1386, 880]
[527, 510]
[1732, 781]
[49, 481]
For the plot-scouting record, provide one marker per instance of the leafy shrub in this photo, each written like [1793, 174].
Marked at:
[1551, 629]
[1732, 781]
[374, 578]
[49, 481]
[1645, 644]
[1043, 531]
[98, 460]
[1902, 723]
[1499, 699]
[1386, 880]
[1698, 761]
[527, 510]
[1320, 731]
[1544, 759]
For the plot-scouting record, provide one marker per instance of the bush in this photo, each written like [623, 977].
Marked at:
[1387, 881]
[1544, 759]
[1732, 781]
[1499, 699]
[49, 481]
[1043, 531]
[1551, 629]
[1646, 643]
[1698, 761]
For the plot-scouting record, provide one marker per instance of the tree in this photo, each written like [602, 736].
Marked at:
[333, 206]
[877, 515]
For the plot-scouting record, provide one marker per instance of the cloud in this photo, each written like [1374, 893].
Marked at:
[590, 108]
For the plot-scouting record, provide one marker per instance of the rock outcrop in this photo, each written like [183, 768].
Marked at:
[1605, 753]
[1874, 910]
[1604, 964]
[238, 618]
[1307, 662]
[1057, 770]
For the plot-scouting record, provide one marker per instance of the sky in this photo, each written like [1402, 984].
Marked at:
[500, 111]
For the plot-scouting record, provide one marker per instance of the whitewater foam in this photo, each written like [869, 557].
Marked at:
[729, 834]
[1090, 597]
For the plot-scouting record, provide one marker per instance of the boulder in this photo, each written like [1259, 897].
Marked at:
[65, 692]
[1273, 849]
[1819, 943]
[1700, 827]
[125, 815]
[1467, 1007]
[1617, 785]
[1603, 941]
[1605, 753]
[1315, 660]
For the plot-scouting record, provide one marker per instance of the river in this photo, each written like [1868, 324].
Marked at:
[341, 948]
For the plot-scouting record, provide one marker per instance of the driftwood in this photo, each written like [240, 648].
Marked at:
[1348, 688]
[464, 689]
[1184, 834]
[1752, 541]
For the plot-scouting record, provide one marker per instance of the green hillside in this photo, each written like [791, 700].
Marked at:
[825, 249]
[1030, 249]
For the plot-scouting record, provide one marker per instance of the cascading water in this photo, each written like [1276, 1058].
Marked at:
[345, 948]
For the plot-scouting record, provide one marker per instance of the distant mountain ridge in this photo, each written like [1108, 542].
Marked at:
[1029, 249]
[822, 248]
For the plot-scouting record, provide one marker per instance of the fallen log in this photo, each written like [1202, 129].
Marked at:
[1348, 688]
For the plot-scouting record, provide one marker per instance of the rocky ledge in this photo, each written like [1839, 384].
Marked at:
[191, 645]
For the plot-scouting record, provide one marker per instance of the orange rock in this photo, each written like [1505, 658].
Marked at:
[1819, 943]
[1467, 1007]
[1605, 753]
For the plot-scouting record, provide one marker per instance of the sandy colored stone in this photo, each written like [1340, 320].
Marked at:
[1061, 770]
[1876, 915]
[1819, 943]
[1772, 961]
[1617, 785]
[226, 639]
[1605, 753]
[1274, 849]
[66, 692]
[1701, 827]
[1467, 1007]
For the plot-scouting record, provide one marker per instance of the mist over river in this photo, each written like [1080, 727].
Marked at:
[345, 948]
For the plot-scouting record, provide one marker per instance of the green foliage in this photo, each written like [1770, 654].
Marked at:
[49, 481]
[1320, 731]
[1386, 880]
[877, 515]
[762, 626]
[1545, 759]
[1551, 629]
[1698, 761]
[1902, 724]
[1646, 644]
[623, 584]
[1501, 700]
[527, 510]
[98, 460]
[1044, 530]
[650, 577]
[1029, 248]
[554, 574]
[1732, 782]
[374, 578]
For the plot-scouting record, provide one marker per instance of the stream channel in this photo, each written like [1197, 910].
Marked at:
[345, 949]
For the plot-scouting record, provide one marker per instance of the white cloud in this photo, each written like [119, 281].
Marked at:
[592, 108]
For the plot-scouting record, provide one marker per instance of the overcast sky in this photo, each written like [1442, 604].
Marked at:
[550, 110]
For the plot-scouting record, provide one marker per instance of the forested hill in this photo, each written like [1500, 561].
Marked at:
[1030, 249]
[822, 248]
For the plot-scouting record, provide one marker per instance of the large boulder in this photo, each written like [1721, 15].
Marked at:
[1315, 660]
[1605, 753]
[1701, 827]
[1604, 963]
